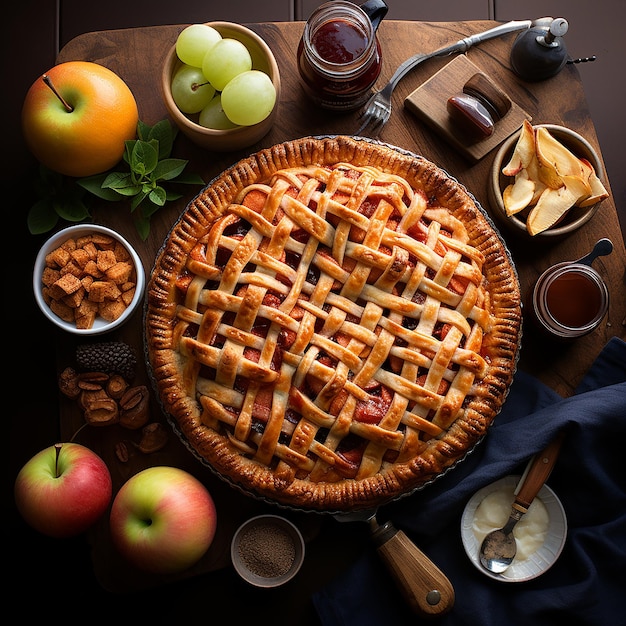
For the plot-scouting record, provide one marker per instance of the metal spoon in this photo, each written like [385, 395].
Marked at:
[498, 548]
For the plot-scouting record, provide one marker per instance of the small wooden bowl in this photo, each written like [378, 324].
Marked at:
[574, 218]
[235, 138]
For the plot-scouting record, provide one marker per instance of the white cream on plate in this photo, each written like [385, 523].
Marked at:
[493, 512]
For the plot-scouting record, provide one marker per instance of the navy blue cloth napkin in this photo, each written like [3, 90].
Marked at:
[586, 585]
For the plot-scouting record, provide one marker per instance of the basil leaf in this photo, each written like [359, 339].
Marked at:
[140, 176]
[157, 196]
[94, 185]
[168, 169]
[41, 217]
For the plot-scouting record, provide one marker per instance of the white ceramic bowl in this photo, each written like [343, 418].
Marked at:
[267, 551]
[574, 218]
[100, 325]
[241, 136]
[537, 562]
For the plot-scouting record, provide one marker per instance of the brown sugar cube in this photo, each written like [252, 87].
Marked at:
[46, 294]
[112, 292]
[69, 244]
[85, 322]
[49, 276]
[102, 241]
[106, 259]
[91, 269]
[121, 253]
[128, 295]
[85, 315]
[55, 293]
[87, 308]
[110, 311]
[74, 299]
[97, 291]
[80, 256]
[120, 272]
[68, 283]
[102, 290]
[65, 312]
[83, 240]
[58, 257]
[71, 268]
[91, 250]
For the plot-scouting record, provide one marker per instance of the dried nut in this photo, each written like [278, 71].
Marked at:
[68, 383]
[124, 450]
[91, 381]
[153, 438]
[116, 386]
[135, 407]
[102, 412]
[88, 397]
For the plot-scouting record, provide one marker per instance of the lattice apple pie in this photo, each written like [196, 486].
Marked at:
[332, 323]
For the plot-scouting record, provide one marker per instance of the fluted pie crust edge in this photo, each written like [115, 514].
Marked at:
[331, 454]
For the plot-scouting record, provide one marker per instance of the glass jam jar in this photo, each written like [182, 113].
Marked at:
[339, 56]
[569, 300]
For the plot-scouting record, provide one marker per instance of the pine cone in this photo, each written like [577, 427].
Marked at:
[111, 357]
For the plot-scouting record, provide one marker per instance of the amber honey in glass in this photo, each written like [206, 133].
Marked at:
[570, 300]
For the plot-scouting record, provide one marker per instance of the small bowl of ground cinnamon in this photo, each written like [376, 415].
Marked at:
[267, 550]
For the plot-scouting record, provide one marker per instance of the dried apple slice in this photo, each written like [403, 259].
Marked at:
[553, 204]
[598, 190]
[533, 173]
[598, 193]
[517, 196]
[524, 151]
[555, 160]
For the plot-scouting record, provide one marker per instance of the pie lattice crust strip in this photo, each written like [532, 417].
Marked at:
[332, 323]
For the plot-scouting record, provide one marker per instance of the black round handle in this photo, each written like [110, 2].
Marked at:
[376, 11]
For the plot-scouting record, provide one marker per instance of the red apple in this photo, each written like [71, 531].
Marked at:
[77, 116]
[163, 520]
[63, 490]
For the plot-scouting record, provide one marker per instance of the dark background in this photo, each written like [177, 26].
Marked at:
[55, 577]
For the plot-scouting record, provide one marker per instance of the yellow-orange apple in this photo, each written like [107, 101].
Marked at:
[77, 116]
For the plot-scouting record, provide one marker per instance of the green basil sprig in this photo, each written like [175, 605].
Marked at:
[149, 169]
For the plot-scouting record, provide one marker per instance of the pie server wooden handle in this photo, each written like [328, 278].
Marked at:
[424, 586]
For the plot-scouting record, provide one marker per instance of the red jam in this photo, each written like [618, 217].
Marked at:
[339, 57]
[339, 41]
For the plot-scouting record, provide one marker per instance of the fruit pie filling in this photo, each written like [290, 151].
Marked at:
[338, 327]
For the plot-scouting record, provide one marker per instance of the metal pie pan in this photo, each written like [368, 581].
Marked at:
[247, 492]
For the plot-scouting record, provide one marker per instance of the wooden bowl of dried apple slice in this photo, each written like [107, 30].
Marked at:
[546, 181]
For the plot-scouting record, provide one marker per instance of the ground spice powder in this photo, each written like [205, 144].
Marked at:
[267, 550]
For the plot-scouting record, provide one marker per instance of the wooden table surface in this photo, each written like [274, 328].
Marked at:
[137, 55]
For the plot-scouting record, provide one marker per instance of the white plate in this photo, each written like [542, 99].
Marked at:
[536, 563]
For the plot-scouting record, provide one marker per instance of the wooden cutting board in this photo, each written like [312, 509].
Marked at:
[429, 102]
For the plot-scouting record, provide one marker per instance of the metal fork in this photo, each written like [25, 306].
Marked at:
[377, 109]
